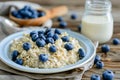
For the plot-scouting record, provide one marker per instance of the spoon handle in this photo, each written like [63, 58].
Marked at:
[58, 11]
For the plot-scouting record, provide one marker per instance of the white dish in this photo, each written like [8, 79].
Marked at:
[84, 42]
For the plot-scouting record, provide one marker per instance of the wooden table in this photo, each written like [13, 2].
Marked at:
[112, 61]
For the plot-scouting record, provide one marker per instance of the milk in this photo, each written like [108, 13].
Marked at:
[97, 28]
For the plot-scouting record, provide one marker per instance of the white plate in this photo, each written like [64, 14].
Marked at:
[85, 43]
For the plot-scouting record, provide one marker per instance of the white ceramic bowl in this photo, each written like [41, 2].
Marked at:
[87, 45]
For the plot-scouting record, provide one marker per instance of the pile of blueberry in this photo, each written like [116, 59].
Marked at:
[27, 13]
[106, 75]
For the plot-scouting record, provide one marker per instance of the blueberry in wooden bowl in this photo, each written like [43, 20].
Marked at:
[27, 16]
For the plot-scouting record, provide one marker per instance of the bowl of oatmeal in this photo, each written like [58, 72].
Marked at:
[46, 50]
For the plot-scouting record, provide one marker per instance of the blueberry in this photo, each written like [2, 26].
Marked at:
[50, 34]
[74, 16]
[79, 28]
[41, 13]
[60, 19]
[25, 13]
[19, 61]
[55, 37]
[43, 57]
[15, 53]
[15, 13]
[97, 58]
[26, 7]
[57, 31]
[65, 38]
[41, 36]
[49, 40]
[33, 32]
[47, 30]
[99, 64]
[41, 32]
[33, 16]
[95, 77]
[105, 48]
[52, 49]
[116, 41]
[19, 16]
[81, 52]
[68, 46]
[40, 42]
[34, 37]
[63, 24]
[26, 46]
[108, 75]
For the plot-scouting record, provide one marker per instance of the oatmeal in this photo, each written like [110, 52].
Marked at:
[46, 49]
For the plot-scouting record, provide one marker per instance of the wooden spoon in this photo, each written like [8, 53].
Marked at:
[54, 12]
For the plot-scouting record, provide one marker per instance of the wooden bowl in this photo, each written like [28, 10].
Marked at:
[58, 11]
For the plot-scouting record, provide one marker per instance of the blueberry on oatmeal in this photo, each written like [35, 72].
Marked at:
[81, 52]
[43, 57]
[34, 37]
[33, 32]
[65, 39]
[40, 43]
[15, 53]
[26, 46]
[52, 49]
[57, 31]
[49, 40]
[68, 46]
[19, 61]
[55, 37]
[41, 36]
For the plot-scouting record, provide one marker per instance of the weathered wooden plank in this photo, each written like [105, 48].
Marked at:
[65, 2]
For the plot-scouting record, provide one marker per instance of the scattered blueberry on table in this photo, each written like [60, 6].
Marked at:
[116, 41]
[97, 58]
[65, 39]
[52, 49]
[99, 64]
[79, 27]
[40, 42]
[60, 19]
[81, 52]
[68, 46]
[105, 48]
[19, 61]
[108, 75]
[95, 77]
[27, 12]
[63, 24]
[15, 53]
[74, 16]
[43, 57]
[26, 46]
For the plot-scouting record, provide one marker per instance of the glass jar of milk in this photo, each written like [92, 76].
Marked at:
[97, 22]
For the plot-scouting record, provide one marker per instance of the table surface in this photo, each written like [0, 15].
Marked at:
[112, 61]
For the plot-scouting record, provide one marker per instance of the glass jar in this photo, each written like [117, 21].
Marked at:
[97, 22]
